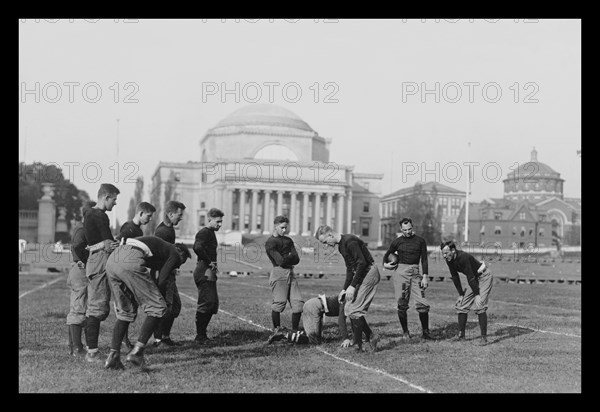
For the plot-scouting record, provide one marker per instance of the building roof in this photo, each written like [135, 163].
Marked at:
[426, 187]
[264, 114]
[532, 169]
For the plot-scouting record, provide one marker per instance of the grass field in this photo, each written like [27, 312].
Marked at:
[534, 333]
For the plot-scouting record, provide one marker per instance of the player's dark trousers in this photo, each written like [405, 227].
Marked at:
[208, 298]
[173, 309]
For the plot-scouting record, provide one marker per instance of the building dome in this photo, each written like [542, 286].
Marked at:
[532, 170]
[264, 114]
[533, 181]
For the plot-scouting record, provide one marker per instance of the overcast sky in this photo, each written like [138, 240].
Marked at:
[399, 97]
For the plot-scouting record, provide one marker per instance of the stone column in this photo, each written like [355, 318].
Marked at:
[305, 213]
[328, 220]
[253, 220]
[228, 209]
[379, 238]
[293, 218]
[279, 202]
[267, 220]
[242, 211]
[46, 215]
[340, 214]
[349, 227]
[317, 212]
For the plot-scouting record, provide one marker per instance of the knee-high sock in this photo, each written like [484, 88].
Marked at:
[276, 318]
[483, 323]
[365, 328]
[202, 320]
[147, 328]
[76, 336]
[424, 318]
[296, 320]
[92, 332]
[357, 332]
[462, 323]
[403, 318]
[119, 332]
[166, 324]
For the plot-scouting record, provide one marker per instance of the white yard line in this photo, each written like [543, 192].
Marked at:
[40, 287]
[400, 379]
[540, 330]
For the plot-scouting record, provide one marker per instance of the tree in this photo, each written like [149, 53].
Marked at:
[31, 177]
[420, 207]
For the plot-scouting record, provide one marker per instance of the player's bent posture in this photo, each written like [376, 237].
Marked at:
[78, 282]
[166, 231]
[128, 269]
[408, 281]
[102, 243]
[206, 273]
[362, 278]
[480, 282]
[283, 281]
[312, 319]
[133, 228]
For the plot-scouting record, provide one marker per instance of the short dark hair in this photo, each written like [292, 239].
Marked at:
[144, 207]
[173, 205]
[214, 212]
[184, 250]
[281, 219]
[406, 220]
[87, 207]
[449, 243]
[107, 189]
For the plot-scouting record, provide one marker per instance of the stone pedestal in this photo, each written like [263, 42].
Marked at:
[46, 215]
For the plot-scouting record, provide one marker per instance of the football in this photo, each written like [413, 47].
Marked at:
[392, 258]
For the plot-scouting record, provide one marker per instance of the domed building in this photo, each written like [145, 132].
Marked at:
[533, 211]
[262, 161]
[533, 181]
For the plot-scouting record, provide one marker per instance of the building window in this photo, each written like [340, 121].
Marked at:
[522, 216]
[522, 232]
[484, 214]
[541, 233]
[497, 215]
[202, 220]
[365, 229]
[177, 176]
[202, 205]
[514, 230]
[542, 218]
[366, 207]
[366, 185]
[497, 230]
[530, 232]
[482, 231]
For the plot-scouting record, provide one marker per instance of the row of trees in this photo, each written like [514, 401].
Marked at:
[66, 194]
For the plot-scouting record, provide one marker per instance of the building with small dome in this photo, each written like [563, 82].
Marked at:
[262, 161]
[533, 211]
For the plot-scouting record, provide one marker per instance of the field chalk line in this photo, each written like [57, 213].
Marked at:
[327, 353]
[40, 287]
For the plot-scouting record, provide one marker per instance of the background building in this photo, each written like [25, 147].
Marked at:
[532, 211]
[262, 161]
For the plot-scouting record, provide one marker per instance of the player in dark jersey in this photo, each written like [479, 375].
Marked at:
[362, 278]
[133, 228]
[166, 231]
[206, 274]
[283, 281]
[312, 319]
[133, 287]
[408, 281]
[78, 282]
[102, 243]
[480, 282]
